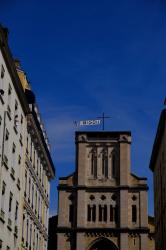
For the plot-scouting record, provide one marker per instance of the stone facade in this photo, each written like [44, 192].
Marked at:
[158, 167]
[102, 205]
[26, 167]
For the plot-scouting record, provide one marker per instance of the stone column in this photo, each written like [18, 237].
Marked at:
[143, 209]
[81, 209]
[81, 163]
[124, 161]
[61, 241]
[124, 242]
[80, 242]
[144, 242]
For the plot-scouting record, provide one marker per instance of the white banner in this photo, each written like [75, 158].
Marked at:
[87, 123]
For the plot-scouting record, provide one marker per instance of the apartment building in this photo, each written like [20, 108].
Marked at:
[26, 165]
[158, 167]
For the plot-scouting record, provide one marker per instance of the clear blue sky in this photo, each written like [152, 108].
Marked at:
[86, 57]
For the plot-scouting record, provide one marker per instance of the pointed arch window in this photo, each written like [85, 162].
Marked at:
[105, 163]
[94, 163]
[113, 166]
[114, 215]
[91, 213]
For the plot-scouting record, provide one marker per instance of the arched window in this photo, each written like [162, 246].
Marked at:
[111, 213]
[105, 163]
[94, 213]
[100, 213]
[91, 213]
[105, 213]
[113, 166]
[114, 214]
[94, 164]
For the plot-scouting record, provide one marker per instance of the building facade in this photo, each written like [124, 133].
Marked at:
[26, 167]
[158, 167]
[102, 205]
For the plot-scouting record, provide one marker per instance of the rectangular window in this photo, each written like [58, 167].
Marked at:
[111, 213]
[105, 213]
[71, 213]
[16, 116]
[89, 213]
[94, 213]
[2, 72]
[100, 213]
[16, 211]
[10, 202]
[25, 183]
[3, 195]
[134, 213]
[9, 95]
[6, 145]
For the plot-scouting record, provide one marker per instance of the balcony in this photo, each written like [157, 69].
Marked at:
[12, 174]
[2, 216]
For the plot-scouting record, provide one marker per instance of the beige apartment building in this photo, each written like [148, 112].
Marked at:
[158, 167]
[102, 205]
[26, 167]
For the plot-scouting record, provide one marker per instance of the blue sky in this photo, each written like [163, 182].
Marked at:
[86, 57]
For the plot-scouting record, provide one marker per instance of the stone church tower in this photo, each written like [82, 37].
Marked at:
[102, 205]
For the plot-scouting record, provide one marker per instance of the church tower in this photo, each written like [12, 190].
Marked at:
[102, 205]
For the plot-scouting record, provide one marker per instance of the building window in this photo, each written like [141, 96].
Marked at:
[105, 163]
[94, 163]
[71, 213]
[9, 95]
[111, 213]
[32, 193]
[13, 155]
[16, 115]
[10, 202]
[2, 72]
[134, 213]
[29, 188]
[114, 213]
[3, 195]
[100, 213]
[91, 213]
[113, 166]
[94, 213]
[105, 213]
[25, 182]
[16, 211]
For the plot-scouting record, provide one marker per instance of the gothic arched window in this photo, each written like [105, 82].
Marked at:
[94, 213]
[113, 166]
[91, 213]
[105, 163]
[94, 163]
